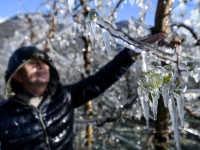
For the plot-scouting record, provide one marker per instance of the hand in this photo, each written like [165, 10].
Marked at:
[151, 40]
[154, 38]
[133, 53]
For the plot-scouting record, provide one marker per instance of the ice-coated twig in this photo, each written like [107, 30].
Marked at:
[141, 24]
[54, 54]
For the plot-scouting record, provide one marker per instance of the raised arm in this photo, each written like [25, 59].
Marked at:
[93, 86]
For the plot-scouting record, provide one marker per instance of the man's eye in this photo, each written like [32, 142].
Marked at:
[32, 62]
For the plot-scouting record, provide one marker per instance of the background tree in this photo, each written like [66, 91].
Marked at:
[60, 28]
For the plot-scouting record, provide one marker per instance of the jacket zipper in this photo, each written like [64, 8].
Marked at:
[44, 129]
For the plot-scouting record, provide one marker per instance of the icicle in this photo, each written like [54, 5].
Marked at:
[191, 68]
[143, 96]
[180, 107]
[182, 66]
[155, 96]
[180, 52]
[195, 75]
[144, 61]
[92, 29]
[145, 107]
[172, 112]
[140, 92]
[165, 93]
[180, 84]
[185, 76]
[146, 94]
[106, 38]
[53, 54]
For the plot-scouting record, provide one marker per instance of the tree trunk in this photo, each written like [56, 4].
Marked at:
[161, 137]
[52, 28]
[163, 12]
[87, 66]
[89, 107]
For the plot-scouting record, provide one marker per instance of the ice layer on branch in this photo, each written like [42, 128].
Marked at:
[125, 39]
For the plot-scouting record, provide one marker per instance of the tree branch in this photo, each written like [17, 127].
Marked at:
[191, 112]
[188, 28]
[115, 9]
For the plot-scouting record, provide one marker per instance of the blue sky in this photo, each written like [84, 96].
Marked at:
[10, 8]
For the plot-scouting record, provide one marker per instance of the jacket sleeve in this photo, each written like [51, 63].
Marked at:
[96, 84]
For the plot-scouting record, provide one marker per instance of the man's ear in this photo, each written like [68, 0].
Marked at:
[16, 76]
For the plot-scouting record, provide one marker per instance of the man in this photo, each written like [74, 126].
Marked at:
[39, 112]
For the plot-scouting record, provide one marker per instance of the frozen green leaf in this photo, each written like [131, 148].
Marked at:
[155, 81]
[167, 78]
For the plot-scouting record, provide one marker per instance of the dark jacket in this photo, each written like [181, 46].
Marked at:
[50, 126]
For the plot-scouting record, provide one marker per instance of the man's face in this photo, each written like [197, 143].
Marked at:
[35, 72]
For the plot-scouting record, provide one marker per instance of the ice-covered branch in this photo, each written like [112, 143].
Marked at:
[122, 38]
[76, 19]
[97, 122]
[115, 9]
[22, 4]
[136, 146]
[188, 28]
[150, 138]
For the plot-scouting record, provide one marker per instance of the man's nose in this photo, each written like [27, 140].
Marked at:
[40, 63]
